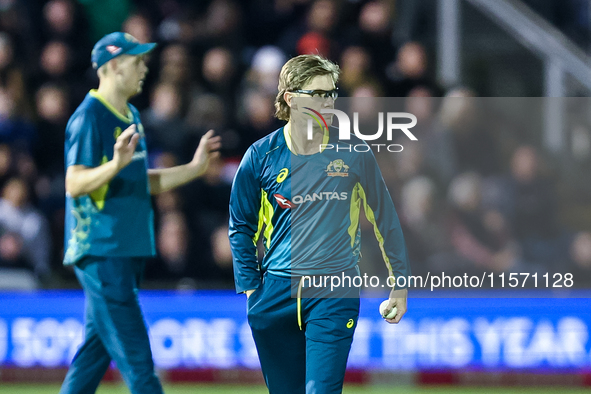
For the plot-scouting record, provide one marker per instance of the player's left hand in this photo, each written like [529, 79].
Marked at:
[397, 299]
[208, 149]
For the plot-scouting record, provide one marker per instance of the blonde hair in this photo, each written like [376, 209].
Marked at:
[297, 72]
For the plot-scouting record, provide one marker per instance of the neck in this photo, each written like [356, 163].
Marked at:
[115, 98]
[300, 144]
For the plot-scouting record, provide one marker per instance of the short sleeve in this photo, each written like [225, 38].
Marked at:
[82, 141]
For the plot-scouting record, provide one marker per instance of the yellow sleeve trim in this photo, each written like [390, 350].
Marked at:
[354, 214]
[265, 218]
[99, 195]
[359, 194]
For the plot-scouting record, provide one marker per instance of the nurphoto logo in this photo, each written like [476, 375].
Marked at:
[392, 126]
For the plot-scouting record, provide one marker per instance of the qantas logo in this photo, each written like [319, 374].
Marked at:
[113, 49]
[283, 202]
[320, 196]
[326, 196]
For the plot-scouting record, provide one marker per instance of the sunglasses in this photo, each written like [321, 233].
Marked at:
[319, 93]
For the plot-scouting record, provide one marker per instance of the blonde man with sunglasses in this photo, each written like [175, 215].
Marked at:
[303, 201]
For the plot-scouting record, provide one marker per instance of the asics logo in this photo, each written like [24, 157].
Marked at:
[282, 175]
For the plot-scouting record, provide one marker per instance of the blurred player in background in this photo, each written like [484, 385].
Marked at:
[109, 216]
[303, 341]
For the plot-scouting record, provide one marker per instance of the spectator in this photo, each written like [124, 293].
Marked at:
[410, 71]
[257, 119]
[356, 69]
[52, 104]
[579, 264]
[55, 65]
[208, 111]
[63, 21]
[59, 18]
[12, 77]
[222, 254]
[12, 253]
[17, 21]
[315, 33]
[207, 212]
[223, 23]
[533, 208]
[373, 32]
[175, 66]
[219, 25]
[462, 141]
[367, 90]
[423, 219]
[53, 108]
[6, 164]
[220, 75]
[163, 122]
[25, 224]
[264, 69]
[139, 26]
[15, 129]
[481, 238]
[172, 263]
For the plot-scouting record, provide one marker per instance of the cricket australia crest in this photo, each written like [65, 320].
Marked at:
[337, 168]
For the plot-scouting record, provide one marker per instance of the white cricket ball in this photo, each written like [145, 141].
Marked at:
[392, 313]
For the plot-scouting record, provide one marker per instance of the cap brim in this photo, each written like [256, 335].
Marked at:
[141, 49]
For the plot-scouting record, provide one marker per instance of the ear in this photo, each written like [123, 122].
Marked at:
[287, 96]
[113, 65]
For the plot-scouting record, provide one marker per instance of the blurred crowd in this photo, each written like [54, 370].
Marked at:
[217, 66]
[475, 195]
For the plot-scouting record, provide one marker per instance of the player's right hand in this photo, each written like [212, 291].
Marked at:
[124, 147]
[397, 299]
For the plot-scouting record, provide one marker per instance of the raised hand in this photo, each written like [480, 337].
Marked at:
[124, 147]
[207, 149]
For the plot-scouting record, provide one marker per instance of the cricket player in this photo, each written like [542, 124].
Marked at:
[304, 197]
[109, 216]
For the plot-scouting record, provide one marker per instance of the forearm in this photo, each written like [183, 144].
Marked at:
[398, 293]
[247, 275]
[164, 179]
[81, 180]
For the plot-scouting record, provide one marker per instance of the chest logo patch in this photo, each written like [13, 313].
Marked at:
[282, 175]
[117, 132]
[337, 168]
[283, 202]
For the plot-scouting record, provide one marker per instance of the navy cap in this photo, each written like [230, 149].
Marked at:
[115, 44]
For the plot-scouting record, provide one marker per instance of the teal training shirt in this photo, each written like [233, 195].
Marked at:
[309, 207]
[117, 220]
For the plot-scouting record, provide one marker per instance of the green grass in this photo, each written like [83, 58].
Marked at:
[246, 389]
